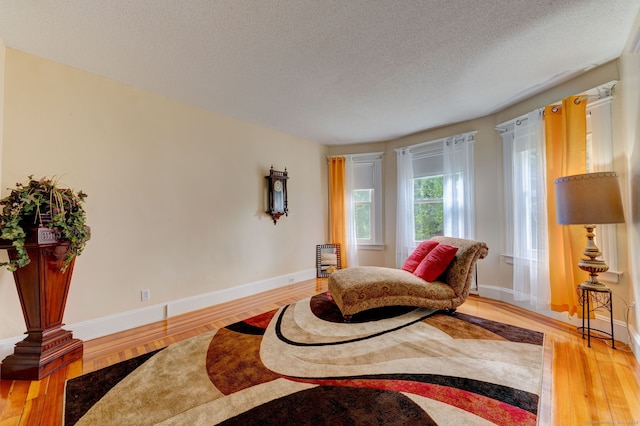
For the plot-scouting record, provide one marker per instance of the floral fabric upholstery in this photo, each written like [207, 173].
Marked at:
[361, 288]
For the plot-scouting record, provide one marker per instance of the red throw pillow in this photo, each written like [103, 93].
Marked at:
[418, 254]
[434, 264]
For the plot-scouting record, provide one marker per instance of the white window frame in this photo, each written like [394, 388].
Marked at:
[373, 160]
[428, 161]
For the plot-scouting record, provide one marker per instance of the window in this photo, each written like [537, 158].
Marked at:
[427, 186]
[525, 164]
[428, 207]
[520, 162]
[523, 183]
[435, 192]
[367, 198]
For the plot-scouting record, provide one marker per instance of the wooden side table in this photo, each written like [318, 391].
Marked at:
[591, 300]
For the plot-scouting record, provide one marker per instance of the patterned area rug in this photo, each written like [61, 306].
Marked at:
[302, 365]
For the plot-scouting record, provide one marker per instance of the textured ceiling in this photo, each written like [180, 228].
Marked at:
[333, 71]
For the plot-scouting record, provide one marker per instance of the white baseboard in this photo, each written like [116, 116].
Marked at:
[6, 345]
[634, 342]
[103, 326]
[622, 331]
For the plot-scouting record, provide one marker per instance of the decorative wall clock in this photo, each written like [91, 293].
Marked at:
[277, 182]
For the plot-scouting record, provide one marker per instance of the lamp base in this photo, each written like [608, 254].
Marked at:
[592, 265]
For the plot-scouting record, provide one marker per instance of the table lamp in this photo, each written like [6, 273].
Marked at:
[589, 199]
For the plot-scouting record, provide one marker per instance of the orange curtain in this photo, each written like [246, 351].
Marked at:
[337, 212]
[565, 135]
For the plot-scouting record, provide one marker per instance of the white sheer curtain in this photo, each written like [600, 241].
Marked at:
[404, 217]
[530, 253]
[458, 199]
[349, 205]
[601, 160]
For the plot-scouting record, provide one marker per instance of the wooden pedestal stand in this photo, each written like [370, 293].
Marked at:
[42, 288]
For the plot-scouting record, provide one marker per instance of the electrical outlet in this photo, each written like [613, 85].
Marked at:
[145, 295]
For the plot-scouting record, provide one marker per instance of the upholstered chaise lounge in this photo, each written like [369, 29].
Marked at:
[361, 288]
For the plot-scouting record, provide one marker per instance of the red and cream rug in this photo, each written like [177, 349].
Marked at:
[302, 365]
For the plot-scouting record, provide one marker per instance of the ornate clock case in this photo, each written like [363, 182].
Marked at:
[277, 189]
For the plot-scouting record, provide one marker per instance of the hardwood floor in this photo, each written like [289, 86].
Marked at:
[581, 386]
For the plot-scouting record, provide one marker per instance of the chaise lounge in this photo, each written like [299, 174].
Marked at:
[361, 288]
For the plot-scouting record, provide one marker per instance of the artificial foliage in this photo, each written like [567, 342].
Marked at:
[42, 203]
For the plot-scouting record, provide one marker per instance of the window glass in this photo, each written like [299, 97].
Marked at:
[428, 207]
[363, 198]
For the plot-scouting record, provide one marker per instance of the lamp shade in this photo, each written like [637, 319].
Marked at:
[589, 199]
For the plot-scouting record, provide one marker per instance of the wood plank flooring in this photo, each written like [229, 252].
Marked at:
[581, 386]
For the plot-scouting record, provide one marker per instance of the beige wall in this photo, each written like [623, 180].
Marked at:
[494, 271]
[3, 52]
[176, 193]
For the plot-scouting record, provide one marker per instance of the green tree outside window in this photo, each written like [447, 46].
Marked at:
[428, 207]
[363, 205]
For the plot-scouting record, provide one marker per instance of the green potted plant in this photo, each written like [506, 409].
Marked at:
[42, 226]
[42, 203]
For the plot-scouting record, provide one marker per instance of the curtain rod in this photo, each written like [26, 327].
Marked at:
[554, 109]
[365, 155]
[578, 100]
[604, 91]
[517, 122]
[601, 92]
[584, 98]
[469, 136]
